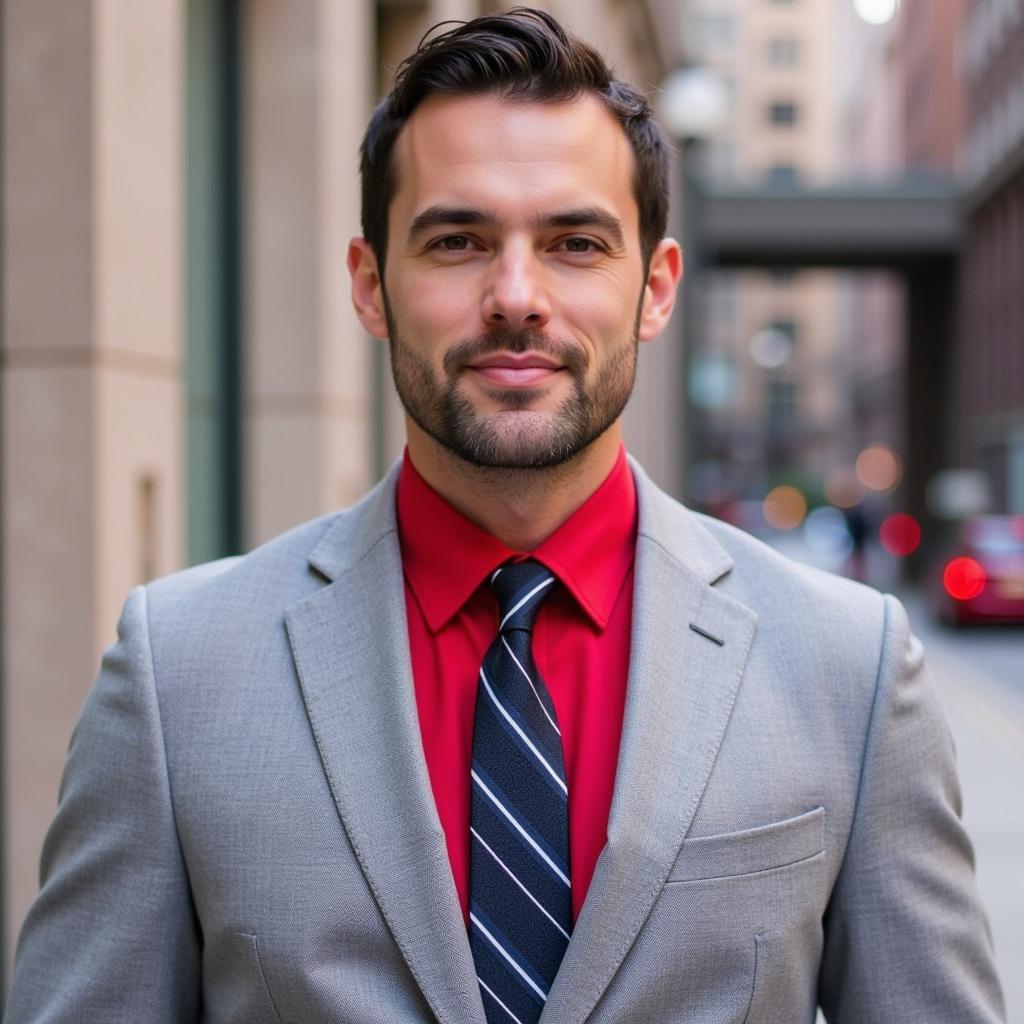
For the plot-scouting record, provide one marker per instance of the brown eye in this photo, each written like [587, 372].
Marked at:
[579, 245]
[454, 243]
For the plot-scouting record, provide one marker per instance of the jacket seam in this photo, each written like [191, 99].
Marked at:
[263, 974]
[163, 743]
[868, 733]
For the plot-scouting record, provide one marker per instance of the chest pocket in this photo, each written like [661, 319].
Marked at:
[778, 845]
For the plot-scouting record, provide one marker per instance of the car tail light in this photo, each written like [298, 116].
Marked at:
[963, 579]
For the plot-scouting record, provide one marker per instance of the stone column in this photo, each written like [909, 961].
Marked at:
[91, 367]
[308, 410]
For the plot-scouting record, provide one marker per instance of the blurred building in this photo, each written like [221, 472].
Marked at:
[938, 93]
[903, 108]
[872, 325]
[990, 357]
[768, 380]
[183, 376]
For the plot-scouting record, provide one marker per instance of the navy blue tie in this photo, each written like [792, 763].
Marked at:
[520, 906]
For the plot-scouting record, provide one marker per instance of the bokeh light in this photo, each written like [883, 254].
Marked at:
[963, 579]
[842, 488]
[879, 468]
[712, 382]
[784, 507]
[900, 534]
[827, 535]
[877, 12]
[771, 348]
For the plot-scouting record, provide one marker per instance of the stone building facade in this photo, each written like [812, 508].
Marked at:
[182, 374]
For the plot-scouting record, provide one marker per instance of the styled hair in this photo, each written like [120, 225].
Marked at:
[523, 55]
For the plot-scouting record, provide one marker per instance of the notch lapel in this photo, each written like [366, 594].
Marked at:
[682, 688]
[351, 650]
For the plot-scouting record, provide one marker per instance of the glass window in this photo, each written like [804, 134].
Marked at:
[715, 30]
[213, 297]
[783, 175]
[783, 52]
[786, 327]
[782, 113]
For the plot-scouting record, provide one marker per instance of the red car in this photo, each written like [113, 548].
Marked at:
[983, 581]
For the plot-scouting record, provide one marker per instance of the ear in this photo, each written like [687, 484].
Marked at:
[367, 293]
[663, 277]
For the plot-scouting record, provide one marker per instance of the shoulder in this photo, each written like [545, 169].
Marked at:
[250, 591]
[776, 584]
[807, 619]
[275, 572]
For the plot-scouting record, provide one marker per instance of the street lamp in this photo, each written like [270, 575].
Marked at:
[877, 12]
[692, 103]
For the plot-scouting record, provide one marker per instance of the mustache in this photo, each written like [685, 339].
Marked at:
[501, 339]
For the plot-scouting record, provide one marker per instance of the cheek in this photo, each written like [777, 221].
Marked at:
[437, 311]
[601, 314]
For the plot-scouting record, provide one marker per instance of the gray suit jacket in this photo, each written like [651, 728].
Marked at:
[246, 830]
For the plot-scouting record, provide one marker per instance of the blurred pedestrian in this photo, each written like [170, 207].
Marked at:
[857, 525]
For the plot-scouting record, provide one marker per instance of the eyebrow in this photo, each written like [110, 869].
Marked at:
[587, 216]
[464, 216]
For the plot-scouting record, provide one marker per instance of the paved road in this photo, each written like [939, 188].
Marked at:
[980, 675]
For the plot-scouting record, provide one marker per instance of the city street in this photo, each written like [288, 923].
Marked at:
[980, 675]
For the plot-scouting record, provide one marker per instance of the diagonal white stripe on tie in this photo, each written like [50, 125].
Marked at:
[519, 604]
[512, 655]
[526, 739]
[487, 988]
[519, 828]
[508, 956]
[504, 867]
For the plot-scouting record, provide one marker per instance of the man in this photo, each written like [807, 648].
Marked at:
[516, 735]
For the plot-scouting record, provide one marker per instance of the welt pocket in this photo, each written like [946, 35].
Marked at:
[754, 849]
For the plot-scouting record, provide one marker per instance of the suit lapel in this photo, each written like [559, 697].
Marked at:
[351, 650]
[682, 686]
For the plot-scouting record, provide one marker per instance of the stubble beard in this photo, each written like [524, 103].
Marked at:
[514, 438]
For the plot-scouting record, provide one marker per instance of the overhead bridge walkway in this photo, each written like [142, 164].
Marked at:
[913, 228]
[901, 226]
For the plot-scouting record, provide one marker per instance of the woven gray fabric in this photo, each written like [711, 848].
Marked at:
[246, 830]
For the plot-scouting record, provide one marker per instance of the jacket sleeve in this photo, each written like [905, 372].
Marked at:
[112, 935]
[905, 935]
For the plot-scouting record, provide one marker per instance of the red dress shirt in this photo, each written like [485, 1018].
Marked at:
[580, 644]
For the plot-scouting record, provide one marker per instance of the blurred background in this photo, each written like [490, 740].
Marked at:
[183, 378]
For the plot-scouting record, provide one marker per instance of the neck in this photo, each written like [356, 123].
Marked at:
[520, 507]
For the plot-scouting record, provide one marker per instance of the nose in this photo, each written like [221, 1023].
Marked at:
[515, 295]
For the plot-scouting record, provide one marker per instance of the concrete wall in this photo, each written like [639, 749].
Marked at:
[91, 370]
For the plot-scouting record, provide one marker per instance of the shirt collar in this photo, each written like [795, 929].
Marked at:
[446, 556]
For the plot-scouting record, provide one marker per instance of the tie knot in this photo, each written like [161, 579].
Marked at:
[521, 588]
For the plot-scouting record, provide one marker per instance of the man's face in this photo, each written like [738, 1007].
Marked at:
[514, 278]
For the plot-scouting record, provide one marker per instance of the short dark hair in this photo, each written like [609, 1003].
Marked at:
[522, 55]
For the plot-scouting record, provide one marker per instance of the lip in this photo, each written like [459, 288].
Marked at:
[516, 369]
[517, 361]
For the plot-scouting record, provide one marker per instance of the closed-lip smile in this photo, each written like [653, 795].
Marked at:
[516, 369]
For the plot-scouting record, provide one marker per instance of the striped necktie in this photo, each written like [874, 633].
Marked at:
[520, 897]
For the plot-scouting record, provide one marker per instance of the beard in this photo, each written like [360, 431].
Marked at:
[515, 437]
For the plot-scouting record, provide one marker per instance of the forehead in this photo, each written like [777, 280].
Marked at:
[513, 157]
